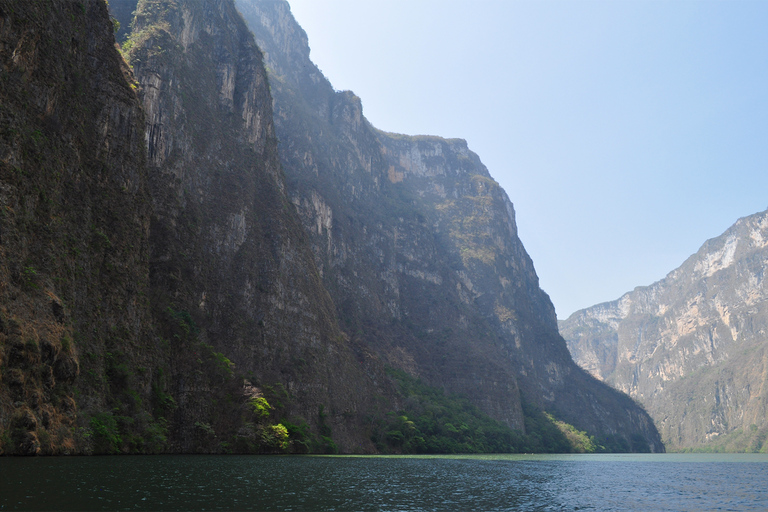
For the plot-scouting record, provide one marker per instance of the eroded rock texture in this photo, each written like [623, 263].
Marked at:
[418, 247]
[74, 219]
[154, 278]
[691, 347]
[226, 245]
[165, 266]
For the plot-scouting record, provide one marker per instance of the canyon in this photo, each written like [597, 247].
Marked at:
[207, 248]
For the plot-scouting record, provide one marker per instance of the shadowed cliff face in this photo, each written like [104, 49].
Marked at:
[155, 282]
[691, 347]
[160, 276]
[226, 245]
[418, 247]
[74, 219]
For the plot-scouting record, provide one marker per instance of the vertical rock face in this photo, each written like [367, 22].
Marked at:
[691, 347]
[74, 219]
[226, 246]
[159, 275]
[149, 258]
[418, 247]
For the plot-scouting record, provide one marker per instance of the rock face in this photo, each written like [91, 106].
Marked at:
[150, 258]
[74, 219]
[691, 347]
[226, 245]
[165, 287]
[418, 247]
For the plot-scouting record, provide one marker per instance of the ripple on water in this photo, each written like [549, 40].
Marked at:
[493, 483]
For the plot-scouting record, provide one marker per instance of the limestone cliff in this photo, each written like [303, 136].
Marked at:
[691, 347]
[226, 245]
[157, 291]
[74, 220]
[165, 287]
[418, 247]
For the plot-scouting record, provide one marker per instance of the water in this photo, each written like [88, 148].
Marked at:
[666, 482]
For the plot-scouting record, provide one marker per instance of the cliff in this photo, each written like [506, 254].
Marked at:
[74, 222]
[691, 347]
[157, 292]
[418, 247]
[226, 245]
[174, 280]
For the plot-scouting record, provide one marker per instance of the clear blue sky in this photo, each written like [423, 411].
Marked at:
[626, 133]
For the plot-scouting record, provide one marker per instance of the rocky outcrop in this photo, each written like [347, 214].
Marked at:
[691, 347]
[418, 247]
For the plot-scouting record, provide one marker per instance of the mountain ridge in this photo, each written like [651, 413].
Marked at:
[696, 333]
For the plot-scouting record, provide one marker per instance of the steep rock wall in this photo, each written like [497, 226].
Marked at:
[74, 219]
[155, 282]
[226, 246]
[691, 347]
[418, 247]
[160, 274]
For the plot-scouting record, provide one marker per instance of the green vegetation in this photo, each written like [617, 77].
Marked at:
[156, 436]
[325, 443]
[29, 277]
[260, 406]
[254, 424]
[275, 436]
[105, 432]
[752, 439]
[262, 433]
[299, 437]
[434, 422]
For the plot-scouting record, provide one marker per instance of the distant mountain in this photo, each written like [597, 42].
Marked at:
[693, 347]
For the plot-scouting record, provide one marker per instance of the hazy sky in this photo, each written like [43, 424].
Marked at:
[626, 133]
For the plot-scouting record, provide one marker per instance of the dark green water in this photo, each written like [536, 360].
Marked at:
[579, 482]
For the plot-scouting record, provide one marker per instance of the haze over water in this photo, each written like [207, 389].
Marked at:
[658, 482]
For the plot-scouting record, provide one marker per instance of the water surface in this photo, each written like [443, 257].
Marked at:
[660, 482]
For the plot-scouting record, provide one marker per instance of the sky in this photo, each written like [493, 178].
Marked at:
[625, 132]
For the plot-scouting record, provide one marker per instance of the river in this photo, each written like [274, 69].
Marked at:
[656, 482]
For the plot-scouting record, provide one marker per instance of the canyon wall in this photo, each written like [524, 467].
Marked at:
[691, 347]
[174, 280]
[418, 247]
